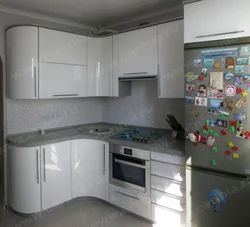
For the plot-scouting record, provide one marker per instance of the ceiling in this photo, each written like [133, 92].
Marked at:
[91, 12]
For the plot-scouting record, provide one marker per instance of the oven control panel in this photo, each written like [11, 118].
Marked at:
[128, 151]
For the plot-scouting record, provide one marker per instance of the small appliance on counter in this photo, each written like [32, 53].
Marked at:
[178, 131]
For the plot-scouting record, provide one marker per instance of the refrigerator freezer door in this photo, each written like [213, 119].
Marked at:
[195, 116]
[200, 212]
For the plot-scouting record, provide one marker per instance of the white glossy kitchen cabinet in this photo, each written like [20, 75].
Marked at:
[90, 170]
[62, 47]
[22, 62]
[61, 81]
[137, 53]
[171, 60]
[99, 66]
[55, 174]
[216, 20]
[24, 179]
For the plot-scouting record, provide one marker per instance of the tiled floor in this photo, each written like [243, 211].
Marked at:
[77, 214]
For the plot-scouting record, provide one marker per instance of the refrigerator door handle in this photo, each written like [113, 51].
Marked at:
[218, 34]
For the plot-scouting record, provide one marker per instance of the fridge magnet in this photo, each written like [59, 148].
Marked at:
[223, 62]
[190, 87]
[228, 76]
[212, 112]
[205, 127]
[239, 69]
[189, 99]
[230, 63]
[214, 149]
[239, 91]
[231, 128]
[208, 62]
[210, 141]
[216, 80]
[221, 123]
[236, 155]
[230, 144]
[196, 137]
[244, 51]
[242, 61]
[228, 153]
[238, 80]
[194, 113]
[240, 133]
[244, 93]
[240, 116]
[210, 132]
[197, 62]
[223, 114]
[215, 135]
[216, 65]
[204, 71]
[240, 102]
[216, 104]
[223, 132]
[200, 101]
[230, 90]
[216, 198]
[212, 122]
[232, 123]
[219, 53]
[248, 87]
[213, 163]
[202, 90]
[206, 122]
[191, 77]
[246, 78]
[229, 104]
[201, 78]
[235, 148]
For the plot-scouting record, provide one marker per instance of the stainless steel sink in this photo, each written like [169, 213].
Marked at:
[95, 129]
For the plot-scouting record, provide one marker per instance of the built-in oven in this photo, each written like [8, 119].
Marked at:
[130, 168]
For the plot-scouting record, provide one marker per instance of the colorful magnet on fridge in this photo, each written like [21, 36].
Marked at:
[194, 113]
[223, 132]
[230, 90]
[244, 93]
[239, 91]
[201, 78]
[246, 78]
[191, 77]
[231, 128]
[228, 76]
[197, 62]
[207, 122]
[204, 71]
[210, 131]
[240, 102]
[215, 135]
[205, 127]
[236, 156]
[210, 141]
[230, 144]
[204, 132]
[213, 163]
[247, 134]
[214, 149]
[240, 116]
[230, 63]
[228, 153]
[216, 65]
[216, 197]
[232, 123]
[235, 148]
[229, 104]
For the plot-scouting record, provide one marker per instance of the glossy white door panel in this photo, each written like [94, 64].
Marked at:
[99, 67]
[115, 68]
[62, 47]
[90, 170]
[137, 52]
[171, 60]
[204, 23]
[61, 81]
[22, 62]
[24, 179]
[130, 201]
[55, 174]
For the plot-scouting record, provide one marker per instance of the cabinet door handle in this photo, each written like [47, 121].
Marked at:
[104, 158]
[44, 161]
[37, 171]
[159, 81]
[136, 73]
[34, 68]
[69, 95]
[133, 197]
[218, 34]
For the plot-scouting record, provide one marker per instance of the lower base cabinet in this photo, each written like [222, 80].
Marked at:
[130, 201]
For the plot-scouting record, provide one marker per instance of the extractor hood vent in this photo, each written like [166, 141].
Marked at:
[131, 78]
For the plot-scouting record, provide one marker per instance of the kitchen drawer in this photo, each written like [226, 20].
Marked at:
[168, 201]
[170, 171]
[167, 217]
[168, 186]
[178, 160]
[130, 201]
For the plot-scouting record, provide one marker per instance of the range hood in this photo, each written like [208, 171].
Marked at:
[137, 77]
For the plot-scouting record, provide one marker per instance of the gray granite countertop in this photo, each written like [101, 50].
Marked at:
[32, 139]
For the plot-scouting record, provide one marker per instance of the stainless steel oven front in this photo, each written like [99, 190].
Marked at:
[130, 168]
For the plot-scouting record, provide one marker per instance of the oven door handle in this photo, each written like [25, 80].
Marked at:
[130, 164]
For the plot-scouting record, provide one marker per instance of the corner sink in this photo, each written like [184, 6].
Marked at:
[95, 129]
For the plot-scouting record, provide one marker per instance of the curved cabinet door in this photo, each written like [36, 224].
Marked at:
[22, 62]
[90, 172]
[99, 66]
[24, 179]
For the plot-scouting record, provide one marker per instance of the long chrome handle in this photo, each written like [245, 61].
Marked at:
[37, 163]
[104, 158]
[129, 163]
[44, 163]
[35, 80]
[134, 197]
[136, 73]
[218, 34]
[159, 81]
[61, 95]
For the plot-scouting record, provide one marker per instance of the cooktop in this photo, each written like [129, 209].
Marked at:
[141, 135]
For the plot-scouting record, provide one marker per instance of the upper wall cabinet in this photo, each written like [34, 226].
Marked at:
[171, 60]
[137, 53]
[62, 47]
[22, 62]
[99, 66]
[216, 20]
